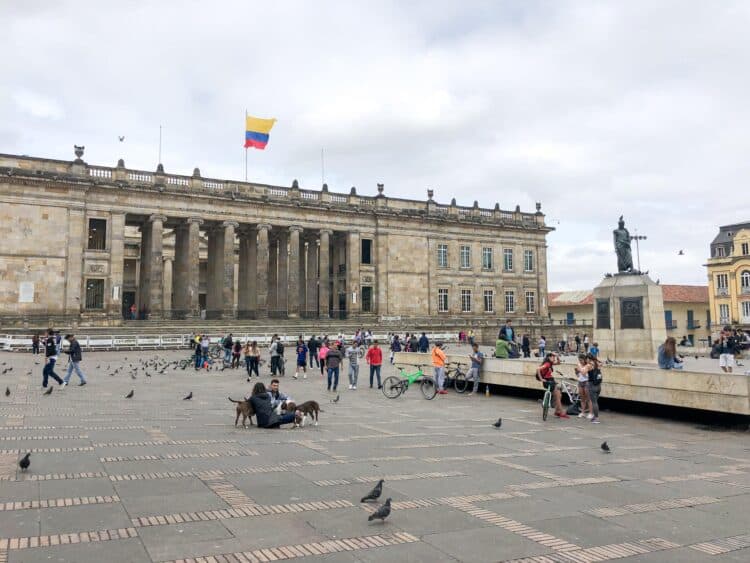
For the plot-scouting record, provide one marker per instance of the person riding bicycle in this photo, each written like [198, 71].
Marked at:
[545, 373]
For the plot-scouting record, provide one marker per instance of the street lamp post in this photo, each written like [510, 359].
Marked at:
[637, 238]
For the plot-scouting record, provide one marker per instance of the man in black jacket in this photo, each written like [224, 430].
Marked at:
[74, 350]
[50, 357]
[265, 414]
[312, 349]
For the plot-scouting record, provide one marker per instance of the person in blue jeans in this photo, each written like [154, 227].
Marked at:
[198, 354]
[50, 353]
[333, 363]
[76, 356]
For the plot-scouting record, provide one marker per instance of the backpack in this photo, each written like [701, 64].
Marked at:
[280, 348]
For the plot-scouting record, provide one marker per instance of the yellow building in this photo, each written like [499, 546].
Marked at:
[686, 311]
[729, 276]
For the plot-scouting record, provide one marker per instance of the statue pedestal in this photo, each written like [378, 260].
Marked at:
[629, 317]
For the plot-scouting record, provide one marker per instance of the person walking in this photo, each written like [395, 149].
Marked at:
[595, 386]
[35, 343]
[312, 348]
[236, 353]
[204, 350]
[301, 352]
[477, 358]
[50, 358]
[352, 354]
[273, 351]
[374, 357]
[74, 350]
[252, 359]
[198, 352]
[577, 340]
[333, 362]
[586, 343]
[542, 346]
[727, 349]
[322, 353]
[228, 343]
[395, 346]
[438, 363]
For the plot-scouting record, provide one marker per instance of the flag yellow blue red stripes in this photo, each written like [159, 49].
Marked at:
[256, 131]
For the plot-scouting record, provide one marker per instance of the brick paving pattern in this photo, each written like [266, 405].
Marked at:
[158, 479]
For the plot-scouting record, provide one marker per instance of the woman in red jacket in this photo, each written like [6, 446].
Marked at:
[374, 357]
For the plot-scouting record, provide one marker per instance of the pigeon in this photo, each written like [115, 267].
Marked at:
[375, 493]
[130, 395]
[382, 513]
[148, 374]
[121, 137]
[605, 447]
[25, 462]
[336, 400]
[7, 391]
[499, 423]
[681, 253]
[48, 391]
[188, 397]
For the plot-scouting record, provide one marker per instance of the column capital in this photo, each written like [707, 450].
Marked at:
[197, 220]
[295, 228]
[233, 224]
[328, 232]
[263, 227]
[157, 217]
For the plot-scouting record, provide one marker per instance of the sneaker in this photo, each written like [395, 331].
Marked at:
[294, 376]
[442, 392]
[589, 416]
[63, 384]
[354, 387]
[581, 415]
[470, 393]
[594, 420]
[81, 384]
[304, 376]
[379, 386]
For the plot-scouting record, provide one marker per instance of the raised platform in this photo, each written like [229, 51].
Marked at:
[718, 392]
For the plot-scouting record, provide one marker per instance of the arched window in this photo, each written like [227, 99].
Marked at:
[745, 280]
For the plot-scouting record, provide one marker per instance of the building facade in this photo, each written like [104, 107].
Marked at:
[89, 242]
[686, 311]
[729, 275]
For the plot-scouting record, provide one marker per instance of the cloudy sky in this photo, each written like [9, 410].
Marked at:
[593, 108]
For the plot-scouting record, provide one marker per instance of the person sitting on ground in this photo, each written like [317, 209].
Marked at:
[277, 397]
[502, 348]
[265, 413]
[667, 355]
[546, 374]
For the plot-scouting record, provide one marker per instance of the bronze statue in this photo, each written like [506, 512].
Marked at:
[622, 248]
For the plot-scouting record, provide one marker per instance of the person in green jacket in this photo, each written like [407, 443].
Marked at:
[502, 348]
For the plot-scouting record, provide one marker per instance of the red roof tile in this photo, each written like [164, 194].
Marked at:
[685, 293]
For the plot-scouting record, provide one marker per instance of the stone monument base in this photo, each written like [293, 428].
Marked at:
[629, 317]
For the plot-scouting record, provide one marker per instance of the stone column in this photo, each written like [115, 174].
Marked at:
[214, 269]
[246, 273]
[273, 274]
[143, 272]
[302, 276]
[282, 291]
[353, 292]
[227, 271]
[116, 263]
[262, 265]
[324, 289]
[74, 300]
[167, 266]
[293, 286]
[186, 278]
[312, 277]
[156, 268]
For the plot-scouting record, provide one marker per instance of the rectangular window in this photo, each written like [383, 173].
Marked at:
[530, 302]
[720, 252]
[510, 302]
[487, 258]
[722, 284]
[97, 234]
[465, 253]
[528, 260]
[724, 314]
[745, 312]
[94, 294]
[442, 255]
[466, 301]
[508, 259]
[442, 300]
[745, 249]
[489, 301]
[366, 251]
[366, 299]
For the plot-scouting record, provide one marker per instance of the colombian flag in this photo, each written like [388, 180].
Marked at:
[256, 131]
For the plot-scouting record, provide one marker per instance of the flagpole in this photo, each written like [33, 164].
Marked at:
[245, 151]
[159, 145]
[322, 168]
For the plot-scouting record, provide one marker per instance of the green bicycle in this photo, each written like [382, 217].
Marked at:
[394, 386]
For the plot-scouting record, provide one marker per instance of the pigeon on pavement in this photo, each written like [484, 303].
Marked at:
[130, 395]
[7, 391]
[188, 397]
[605, 447]
[499, 423]
[25, 462]
[48, 391]
[381, 513]
[336, 400]
[375, 493]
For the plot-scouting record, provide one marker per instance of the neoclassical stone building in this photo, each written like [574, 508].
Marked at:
[86, 242]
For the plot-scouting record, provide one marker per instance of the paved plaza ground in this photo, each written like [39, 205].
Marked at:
[156, 478]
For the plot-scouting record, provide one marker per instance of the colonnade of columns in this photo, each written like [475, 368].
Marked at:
[282, 270]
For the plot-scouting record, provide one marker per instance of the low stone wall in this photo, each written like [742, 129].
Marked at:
[719, 392]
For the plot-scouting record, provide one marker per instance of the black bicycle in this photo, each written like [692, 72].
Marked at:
[455, 376]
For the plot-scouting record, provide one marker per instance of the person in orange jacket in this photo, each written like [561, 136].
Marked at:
[438, 362]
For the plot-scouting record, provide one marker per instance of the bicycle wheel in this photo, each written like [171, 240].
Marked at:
[460, 382]
[428, 388]
[545, 404]
[393, 387]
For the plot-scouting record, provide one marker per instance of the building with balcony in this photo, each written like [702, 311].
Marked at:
[729, 275]
[686, 311]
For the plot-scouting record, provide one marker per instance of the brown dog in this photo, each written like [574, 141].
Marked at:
[244, 408]
[311, 408]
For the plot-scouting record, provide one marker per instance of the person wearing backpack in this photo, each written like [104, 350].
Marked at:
[594, 372]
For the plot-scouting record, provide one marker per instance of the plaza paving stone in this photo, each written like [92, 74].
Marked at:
[156, 478]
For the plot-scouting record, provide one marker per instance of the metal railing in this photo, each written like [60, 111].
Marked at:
[671, 325]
